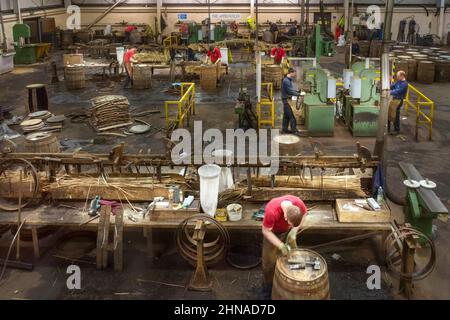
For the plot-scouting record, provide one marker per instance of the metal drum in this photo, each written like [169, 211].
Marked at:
[308, 283]
[442, 71]
[42, 142]
[425, 71]
[142, 76]
[289, 144]
[412, 70]
[273, 73]
[75, 77]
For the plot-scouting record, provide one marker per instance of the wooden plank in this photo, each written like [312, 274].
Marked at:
[100, 235]
[105, 243]
[267, 194]
[118, 241]
[35, 239]
[356, 214]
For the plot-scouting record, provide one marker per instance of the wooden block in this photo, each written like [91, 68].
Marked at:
[358, 214]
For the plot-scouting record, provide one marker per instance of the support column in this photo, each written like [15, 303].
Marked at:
[387, 32]
[441, 24]
[18, 11]
[384, 104]
[346, 17]
[67, 3]
[257, 58]
[158, 16]
[252, 8]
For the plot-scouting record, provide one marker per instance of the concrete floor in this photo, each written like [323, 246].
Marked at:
[347, 274]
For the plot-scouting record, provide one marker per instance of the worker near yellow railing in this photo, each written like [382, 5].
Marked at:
[398, 93]
[282, 219]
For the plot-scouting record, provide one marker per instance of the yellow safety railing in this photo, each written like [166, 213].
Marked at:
[419, 102]
[266, 102]
[170, 41]
[184, 107]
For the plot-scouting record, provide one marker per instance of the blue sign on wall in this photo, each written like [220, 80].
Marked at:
[182, 16]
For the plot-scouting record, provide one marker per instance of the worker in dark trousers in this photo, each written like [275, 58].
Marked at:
[398, 93]
[287, 91]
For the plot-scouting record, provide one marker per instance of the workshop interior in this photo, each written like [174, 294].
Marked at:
[224, 150]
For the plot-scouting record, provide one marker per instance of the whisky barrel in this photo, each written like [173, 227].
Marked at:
[402, 65]
[398, 52]
[425, 72]
[289, 144]
[273, 73]
[74, 77]
[375, 49]
[142, 76]
[364, 48]
[412, 69]
[305, 283]
[442, 71]
[42, 142]
[208, 76]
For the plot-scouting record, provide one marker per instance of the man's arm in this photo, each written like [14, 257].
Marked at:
[271, 237]
[290, 90]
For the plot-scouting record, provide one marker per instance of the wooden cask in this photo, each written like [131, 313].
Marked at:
[442, 71]
[425, 72]
[74, 77]
[42, 142]
[142, 76]
[273, 73]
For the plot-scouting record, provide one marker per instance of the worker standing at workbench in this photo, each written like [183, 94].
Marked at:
[287, 92]
[127, 60]
[282, 219]
[398, 93]
[128, 31]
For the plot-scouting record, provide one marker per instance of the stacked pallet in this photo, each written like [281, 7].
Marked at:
[109, 112]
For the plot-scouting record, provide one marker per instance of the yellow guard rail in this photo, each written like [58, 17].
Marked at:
[185, 106]
[266, 102]
[420, 102]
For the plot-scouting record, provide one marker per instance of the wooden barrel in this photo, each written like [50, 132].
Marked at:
[402, 65]
[442, 71]
[42, 142]
[74, 76]
[83, 36]
[364, 48]
[208, 76]
[289, 144]
[425, 71]
[412, 70]
[142, 76]
[375, 49]
[301, 284]
[268, 36]
[66, 38]
[398, 52]
[273, 73]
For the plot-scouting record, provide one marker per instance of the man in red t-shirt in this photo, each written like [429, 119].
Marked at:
[281, 215]
[214, 55]
[278, 54]
[128, 31]
[127, 60]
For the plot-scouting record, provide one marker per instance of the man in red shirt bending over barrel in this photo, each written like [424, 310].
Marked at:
[282, 218]
[278, 54]
[127, 60]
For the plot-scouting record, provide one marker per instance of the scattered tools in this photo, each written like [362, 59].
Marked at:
[151, 206]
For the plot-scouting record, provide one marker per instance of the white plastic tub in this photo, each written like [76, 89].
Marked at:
[209, 187]
[226, 175]
[7, 62]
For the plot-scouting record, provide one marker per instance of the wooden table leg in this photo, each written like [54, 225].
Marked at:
[35, 239]
[149, 233]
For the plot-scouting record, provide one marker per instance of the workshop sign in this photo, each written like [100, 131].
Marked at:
[226, 16]
[182, 16]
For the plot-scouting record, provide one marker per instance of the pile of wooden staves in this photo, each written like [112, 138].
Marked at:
[109, 112]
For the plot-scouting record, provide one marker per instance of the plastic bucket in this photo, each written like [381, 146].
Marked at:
[120, 52]
[234, 211]
[226, 176]
[209, 187]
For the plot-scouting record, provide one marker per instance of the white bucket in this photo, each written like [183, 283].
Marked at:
[226, 176]
[120, 52]
[234, 211]
[209, 187]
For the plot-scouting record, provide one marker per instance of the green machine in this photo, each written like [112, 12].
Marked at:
[313, 45]
[360, 101]
[193, 32]
[319, 111]
[25, 53]
[422, 203]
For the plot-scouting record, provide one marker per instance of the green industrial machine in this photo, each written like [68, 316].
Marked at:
[423, 205]
[319, 111]
[360, 100]
[313, 45]
[25, 53]
[219, 32]
[193, 32]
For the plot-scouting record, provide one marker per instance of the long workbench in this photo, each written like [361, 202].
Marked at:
[320, 218]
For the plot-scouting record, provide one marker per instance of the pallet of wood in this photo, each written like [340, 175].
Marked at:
[110, 112]
[347, 210]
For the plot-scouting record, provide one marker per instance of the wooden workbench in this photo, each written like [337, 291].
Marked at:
[321, 218]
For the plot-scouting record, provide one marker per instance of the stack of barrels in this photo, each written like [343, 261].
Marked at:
[424, 64]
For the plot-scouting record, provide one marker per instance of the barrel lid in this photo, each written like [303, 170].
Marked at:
[38, 136]
[35, 85]
[302, 256]
[287, 139]
[404, 57]
[31, 122]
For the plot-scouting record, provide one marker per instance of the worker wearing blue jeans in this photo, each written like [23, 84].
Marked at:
[398, 92]
[287, 91]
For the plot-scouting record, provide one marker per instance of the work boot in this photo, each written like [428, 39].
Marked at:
[267, 291]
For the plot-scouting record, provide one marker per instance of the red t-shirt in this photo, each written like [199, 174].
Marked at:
[279, 53]
[130, 28]
[128, 55]
[274, 216]
[214, 55]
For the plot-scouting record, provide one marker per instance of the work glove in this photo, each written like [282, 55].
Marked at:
[284, 249]
[292, 238]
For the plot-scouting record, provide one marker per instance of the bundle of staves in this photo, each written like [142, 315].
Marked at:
[109, 112]
[154, 57]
